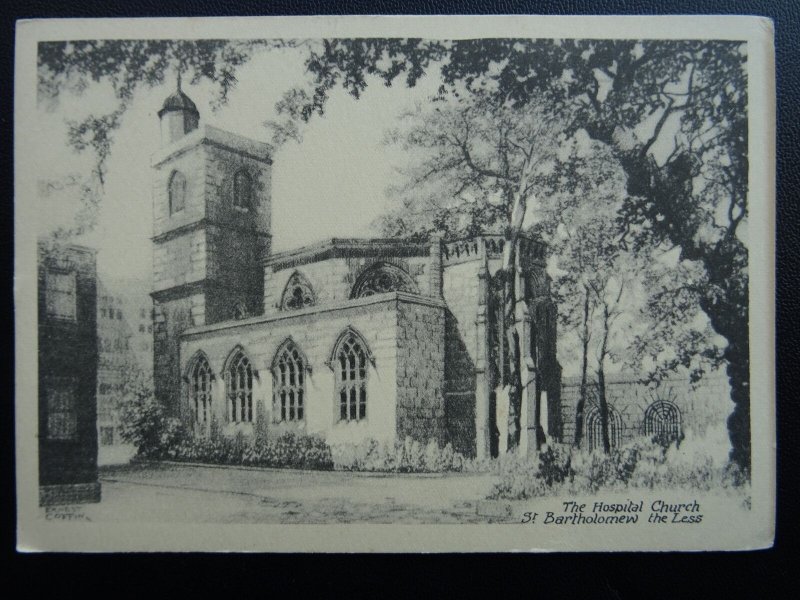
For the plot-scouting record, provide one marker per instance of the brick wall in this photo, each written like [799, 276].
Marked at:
[706, 406]
[67, 366]
[70, 493]
[420, 372]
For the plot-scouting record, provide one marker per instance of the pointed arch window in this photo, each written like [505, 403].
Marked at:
[662, 420]
[177, 192]
[239, 384]
[350, 365]
[200, 392]
[381, 278]
[297, 293]
[242, 190]
[239, 311]
[594, 428]
[289, 383]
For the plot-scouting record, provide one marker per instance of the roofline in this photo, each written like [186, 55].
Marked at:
[388, 297]
[213, 136]
[339, 247]
[167, 109]
[526, 236]
[46, 243]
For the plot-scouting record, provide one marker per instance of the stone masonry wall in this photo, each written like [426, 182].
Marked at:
[192, 165]
[420, 373]
[701, 408]
[460, 290]
[238, 239]
[332, 280]
[315, 331]
[170, 319]
[179, 260]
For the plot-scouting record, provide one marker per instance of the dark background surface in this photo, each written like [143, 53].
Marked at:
[752, 574]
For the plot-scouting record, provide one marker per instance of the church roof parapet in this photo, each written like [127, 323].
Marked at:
[531, 248]
[347, 248]
[396, 297]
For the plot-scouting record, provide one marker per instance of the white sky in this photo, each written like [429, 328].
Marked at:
[331, 185]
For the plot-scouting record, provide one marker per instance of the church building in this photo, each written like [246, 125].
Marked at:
[348, 338]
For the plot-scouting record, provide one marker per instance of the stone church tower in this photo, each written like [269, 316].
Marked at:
[211, 232]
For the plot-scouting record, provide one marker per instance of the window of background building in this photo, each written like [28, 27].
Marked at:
[60, 295]
[106, 436]
[62, 416]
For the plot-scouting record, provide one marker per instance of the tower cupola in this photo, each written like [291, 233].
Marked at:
[178, 116]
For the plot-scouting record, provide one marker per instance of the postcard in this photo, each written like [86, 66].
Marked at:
[395, 284]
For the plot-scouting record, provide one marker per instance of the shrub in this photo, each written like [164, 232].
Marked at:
[642, 464]
[145, 424]
[408, 456]
[287, 451]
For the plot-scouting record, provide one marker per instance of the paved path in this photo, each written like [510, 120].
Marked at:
[182, 493]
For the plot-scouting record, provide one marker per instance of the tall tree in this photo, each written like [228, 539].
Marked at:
[593, 273]
[477, 166]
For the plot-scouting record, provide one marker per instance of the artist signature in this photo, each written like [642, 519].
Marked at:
[65, 513]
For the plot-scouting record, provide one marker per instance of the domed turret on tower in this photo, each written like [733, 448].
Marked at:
[178, 116]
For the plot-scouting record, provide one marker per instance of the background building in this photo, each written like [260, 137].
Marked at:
[125, 350]
[67, 301]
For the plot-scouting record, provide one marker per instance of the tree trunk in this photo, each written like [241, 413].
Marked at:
[514, 355]
[601, 383]
[729, 315]
[725, 299]
[517, 216]
[579, 410]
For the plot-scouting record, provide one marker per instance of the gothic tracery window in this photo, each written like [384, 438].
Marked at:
[382, 278]
[662, 420]
[242, 190]
[239, 383]
[297, 293]
[288, 383]
[351, 369]
[594, 428]
[177, 192]
[200, 392]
